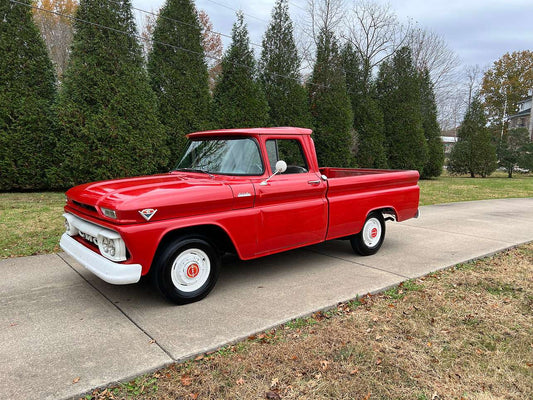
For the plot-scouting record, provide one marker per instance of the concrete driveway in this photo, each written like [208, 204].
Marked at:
[64, 332]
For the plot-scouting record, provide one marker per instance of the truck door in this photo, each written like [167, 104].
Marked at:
[292, 206]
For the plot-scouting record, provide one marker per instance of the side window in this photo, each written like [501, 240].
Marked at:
[288, 150]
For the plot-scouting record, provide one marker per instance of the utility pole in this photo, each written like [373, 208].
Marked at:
[503, 118]
[531, 116]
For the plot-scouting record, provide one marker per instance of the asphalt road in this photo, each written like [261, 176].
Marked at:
[64, 332]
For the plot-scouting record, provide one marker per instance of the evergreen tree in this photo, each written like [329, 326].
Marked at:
[435, 161]
[514, 149]
[368, 118]
[279, 72]
[331, 111]
[107, 110]
[239, 101]
[179, 78]
[27, 90]
[473, 153]
[399, 98]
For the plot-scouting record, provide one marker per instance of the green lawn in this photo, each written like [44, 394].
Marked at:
[448, 188]
[31, 223]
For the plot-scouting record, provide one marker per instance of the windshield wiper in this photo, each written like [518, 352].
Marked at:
[195, 170]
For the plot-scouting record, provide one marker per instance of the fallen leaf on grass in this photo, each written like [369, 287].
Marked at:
[318, 316]
[272, 395]
[324, 364]
[193, 396]
[378, 362]
[186, 380]
[199, 357]
[354, 371]
[76, 380]
[239, 381]
[274, 383]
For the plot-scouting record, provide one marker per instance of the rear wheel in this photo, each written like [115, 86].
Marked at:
[186, 270]
[370, 239]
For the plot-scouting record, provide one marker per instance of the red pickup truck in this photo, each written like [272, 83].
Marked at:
[252, 192]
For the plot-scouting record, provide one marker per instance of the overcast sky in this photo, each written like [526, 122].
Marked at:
[479, 31]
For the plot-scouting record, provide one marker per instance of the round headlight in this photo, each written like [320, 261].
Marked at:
[70, 229]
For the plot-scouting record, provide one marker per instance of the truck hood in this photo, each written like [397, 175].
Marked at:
[152, 198]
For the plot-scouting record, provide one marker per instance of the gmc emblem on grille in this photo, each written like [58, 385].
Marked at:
[89, 238]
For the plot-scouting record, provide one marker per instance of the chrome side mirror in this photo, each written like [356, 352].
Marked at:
[281, 167]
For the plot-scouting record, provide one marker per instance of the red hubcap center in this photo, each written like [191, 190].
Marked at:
[374, 233]
[193, 270]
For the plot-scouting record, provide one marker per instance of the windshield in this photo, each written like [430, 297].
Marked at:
[239, 156]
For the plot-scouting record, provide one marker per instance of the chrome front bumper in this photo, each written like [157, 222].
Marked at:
[107, 270]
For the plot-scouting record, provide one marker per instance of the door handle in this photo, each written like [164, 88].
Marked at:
[317, 182]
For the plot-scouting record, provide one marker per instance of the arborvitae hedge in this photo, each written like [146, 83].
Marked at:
[280, 72]
[27, 90]
[107, 110]
[368, 117]
[428, 106]
[399, 99]
[179, 77]
[473, 153]
[238, 99]
[330, 106]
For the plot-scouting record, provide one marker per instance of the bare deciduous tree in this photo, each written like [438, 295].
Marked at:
[474, 76]
[320, 14]
[456, 97]
[430, 51]
[56, 29]
[375, 32]
[324, 14]
[212, 44]
[147, 30]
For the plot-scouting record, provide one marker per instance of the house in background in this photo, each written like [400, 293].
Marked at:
[522, 119]
[449, 138]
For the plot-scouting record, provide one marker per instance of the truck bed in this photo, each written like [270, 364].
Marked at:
[354, 192]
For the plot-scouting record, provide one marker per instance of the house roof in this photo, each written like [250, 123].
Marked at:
[449, 132]
[449, 139]
[524, 113]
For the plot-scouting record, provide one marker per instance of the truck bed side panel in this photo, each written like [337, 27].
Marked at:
[354, 195]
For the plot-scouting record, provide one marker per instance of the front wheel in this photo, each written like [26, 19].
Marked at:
[370, 239]
[186, 270]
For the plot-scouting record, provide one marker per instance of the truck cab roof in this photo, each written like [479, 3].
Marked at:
[285, 130]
